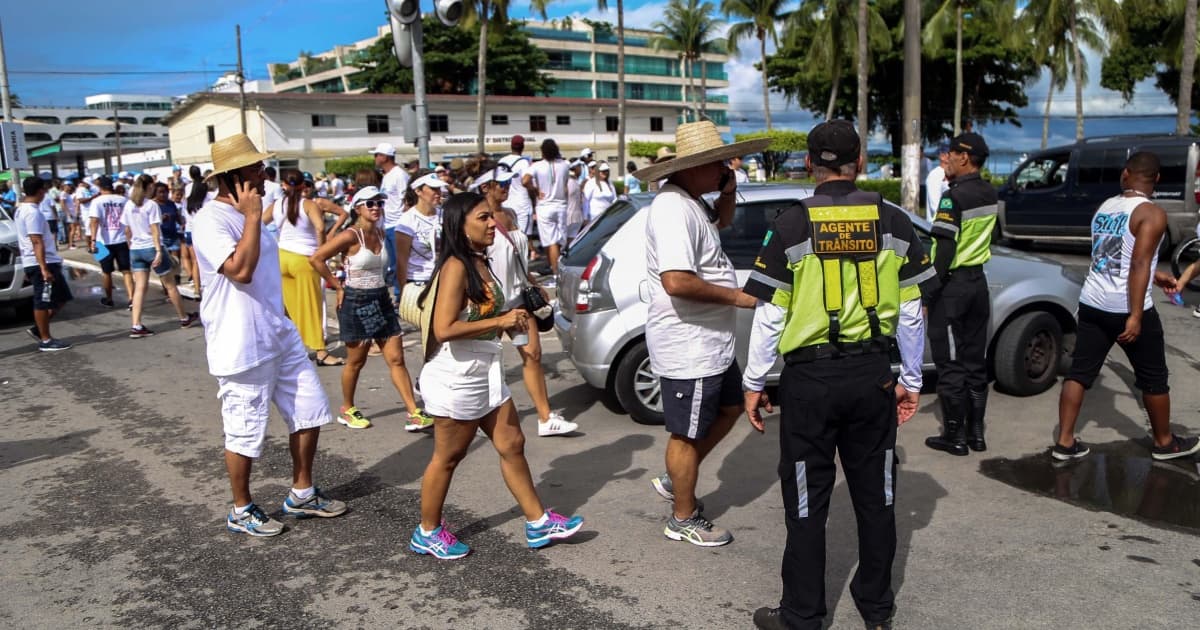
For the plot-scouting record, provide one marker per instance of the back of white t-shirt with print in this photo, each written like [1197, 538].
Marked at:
[138, 220]
[108, 209]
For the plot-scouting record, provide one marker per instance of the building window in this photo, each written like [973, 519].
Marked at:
[656, 123]
[537, 123]
[377, 123]
[212, 134]
[439, 123]
[611, 123]
[324, 120]
[499, 119]
[563, 120]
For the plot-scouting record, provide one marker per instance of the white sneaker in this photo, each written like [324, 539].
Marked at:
[556, 425]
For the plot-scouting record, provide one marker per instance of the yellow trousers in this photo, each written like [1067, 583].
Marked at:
[302, 298]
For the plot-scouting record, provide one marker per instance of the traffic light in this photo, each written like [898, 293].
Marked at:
[401, 14]
[407, 11]
[448, 11]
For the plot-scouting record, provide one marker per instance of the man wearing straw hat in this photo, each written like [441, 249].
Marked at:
[254, 350]
[690, 328]
[839, 280]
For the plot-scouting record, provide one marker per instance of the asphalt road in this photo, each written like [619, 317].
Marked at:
[111, 459]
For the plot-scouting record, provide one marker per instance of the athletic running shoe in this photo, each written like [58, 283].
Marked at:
[353, 418]
[440, 544]
[106, 302]
[35, 333]
[418, 420]
[556, 424]
[137, 332]
[254, 522]
[129, 306]
[1179, 447]
[697, 530]
[317, 505]
[191, 318]
[53, 345]
[1196, 311]
[1077, 450]
[664, 488]
[556, 527]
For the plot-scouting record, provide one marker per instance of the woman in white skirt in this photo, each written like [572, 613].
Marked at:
[463, 381]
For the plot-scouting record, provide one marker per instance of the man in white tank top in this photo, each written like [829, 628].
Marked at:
[1116, 306]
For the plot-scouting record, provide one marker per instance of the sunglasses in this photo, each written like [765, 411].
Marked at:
[371, 203]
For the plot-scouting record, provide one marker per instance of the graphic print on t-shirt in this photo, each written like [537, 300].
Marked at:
[1108, 231]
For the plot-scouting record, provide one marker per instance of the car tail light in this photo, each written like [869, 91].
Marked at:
[583, 294]
[1196, 183]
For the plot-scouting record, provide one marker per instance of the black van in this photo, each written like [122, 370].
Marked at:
[1053, 194]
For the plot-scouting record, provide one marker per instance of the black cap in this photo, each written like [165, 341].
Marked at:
[969, 143]
[834, 143]
[104, 182]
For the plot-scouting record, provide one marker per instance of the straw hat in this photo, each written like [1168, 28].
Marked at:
[697, 144]
[663, 154]
[234, 152]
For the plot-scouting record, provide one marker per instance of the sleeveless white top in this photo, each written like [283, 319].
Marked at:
[364, 270]
[1107, 284]
[300, 238]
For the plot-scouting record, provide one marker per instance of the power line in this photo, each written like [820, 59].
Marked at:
[105, 72]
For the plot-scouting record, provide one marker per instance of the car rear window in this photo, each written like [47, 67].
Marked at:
[589, 243]
[744, 238]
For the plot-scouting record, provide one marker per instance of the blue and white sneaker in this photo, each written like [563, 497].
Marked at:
[556, 527]
[254, 522]
[440, 544]
[317, 505]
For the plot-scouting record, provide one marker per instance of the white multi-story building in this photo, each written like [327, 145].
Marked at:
[85, 137]
[305, 130]
[582, 58]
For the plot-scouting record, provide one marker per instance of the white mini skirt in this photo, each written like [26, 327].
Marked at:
[464, 380]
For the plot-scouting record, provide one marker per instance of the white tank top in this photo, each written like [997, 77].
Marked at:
[364, 270]
[1107, 283]
[300, 238]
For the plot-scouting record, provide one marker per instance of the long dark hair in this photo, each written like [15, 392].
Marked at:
[455, 244]
[550, 150]
[199, 190]
[295, 194]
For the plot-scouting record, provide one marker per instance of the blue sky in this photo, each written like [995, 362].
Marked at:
[193, 48]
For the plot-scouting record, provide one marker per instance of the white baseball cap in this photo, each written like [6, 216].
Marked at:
[603, 167]
[592, 164]
[494, 175]
[585, 153]
[365, 193]
[385, 148]
[429, 179]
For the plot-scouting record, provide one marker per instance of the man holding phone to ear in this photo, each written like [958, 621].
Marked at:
[254, 350]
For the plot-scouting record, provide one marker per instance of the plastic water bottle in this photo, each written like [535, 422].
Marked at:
[47, 292]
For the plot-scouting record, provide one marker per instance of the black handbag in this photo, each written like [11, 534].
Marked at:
[534, 302]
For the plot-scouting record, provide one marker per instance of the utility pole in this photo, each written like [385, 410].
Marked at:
[910, 123]
[15, 181]
[117, 121]
[241, 79]
[418, 68]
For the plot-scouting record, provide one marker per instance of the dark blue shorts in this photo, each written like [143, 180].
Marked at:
[60, 292]
[691, 406]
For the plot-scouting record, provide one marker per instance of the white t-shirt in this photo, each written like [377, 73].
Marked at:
[935, 186]
[244, 324]
[598, 197]
[633, 185]
[47, 208]
[686, 339]
[322, 189]
[576, 208]
[740, 176]
[339, 187]
[138, 221]
[83, 201]
[272, 192]
[29, 220]
[504, 256]
[108, 209]
[551, 181]
[68, 206]
[425, 232]
[394, 183]
[518, 195]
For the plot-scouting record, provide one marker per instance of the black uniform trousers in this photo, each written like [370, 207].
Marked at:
[845, 405]
[958, 334]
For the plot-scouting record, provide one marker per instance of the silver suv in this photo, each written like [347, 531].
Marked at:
[604, 294]
[12, 276]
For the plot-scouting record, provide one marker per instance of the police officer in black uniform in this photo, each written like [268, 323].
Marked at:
[959, 312]
[837, 280]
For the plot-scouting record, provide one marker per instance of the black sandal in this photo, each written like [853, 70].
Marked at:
[328, 360]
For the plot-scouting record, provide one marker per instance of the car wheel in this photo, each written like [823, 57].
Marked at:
[636, 386]
[1028, 353]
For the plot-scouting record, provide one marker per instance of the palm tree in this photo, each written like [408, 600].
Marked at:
[831, 23]
[862, 24]
[602, 5]
[760, 17]
[949, 14]
[1187, 66]
[489, 12]
[688, 28]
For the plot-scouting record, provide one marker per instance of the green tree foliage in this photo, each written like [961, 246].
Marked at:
[784, 144]
[1149, 48]
[646, 149]
[350, 165]
[450, 63]
[995, 74]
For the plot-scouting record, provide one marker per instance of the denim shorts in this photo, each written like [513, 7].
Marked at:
[367, 315]
[143, 259]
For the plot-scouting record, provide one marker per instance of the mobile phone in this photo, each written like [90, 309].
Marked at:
[231, 181]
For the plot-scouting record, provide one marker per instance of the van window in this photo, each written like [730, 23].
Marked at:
[743, 240]
[1172, 165]
[584, 248]
[1101, 166]
[1043, 173]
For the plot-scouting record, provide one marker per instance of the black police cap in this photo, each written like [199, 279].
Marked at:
[969, 143]
[833, 143]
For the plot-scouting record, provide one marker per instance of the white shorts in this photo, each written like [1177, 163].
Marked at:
[464, 380]
[290, 382]
[523, 215]
[552, 224]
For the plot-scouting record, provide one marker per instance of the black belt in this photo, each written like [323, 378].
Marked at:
[818, 351]
[970, 272]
